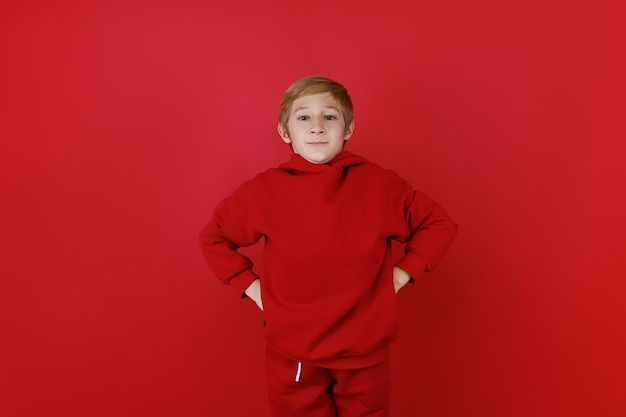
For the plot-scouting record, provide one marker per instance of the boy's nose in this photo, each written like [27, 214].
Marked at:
[317, 127]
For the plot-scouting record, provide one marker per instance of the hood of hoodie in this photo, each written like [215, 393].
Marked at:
[330, 175]
[297, 165]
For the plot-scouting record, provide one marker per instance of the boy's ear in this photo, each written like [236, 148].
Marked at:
[282, 131]
[349, 131]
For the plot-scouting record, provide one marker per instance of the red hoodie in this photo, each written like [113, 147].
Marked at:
[326, 272]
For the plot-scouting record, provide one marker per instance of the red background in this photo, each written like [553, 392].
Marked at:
[122, 124]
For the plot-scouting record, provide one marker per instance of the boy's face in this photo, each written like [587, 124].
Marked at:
[317, 130]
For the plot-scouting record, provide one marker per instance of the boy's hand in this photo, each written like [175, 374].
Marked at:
[254, 292]
[400, 278]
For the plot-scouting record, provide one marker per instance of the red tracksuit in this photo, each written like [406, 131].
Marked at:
[326, 273]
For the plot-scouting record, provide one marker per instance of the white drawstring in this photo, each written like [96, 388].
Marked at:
[299, 372]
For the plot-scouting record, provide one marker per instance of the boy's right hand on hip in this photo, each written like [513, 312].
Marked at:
[254, 292]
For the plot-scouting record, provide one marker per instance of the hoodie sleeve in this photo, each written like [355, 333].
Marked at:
[428, 232]
[229, 229]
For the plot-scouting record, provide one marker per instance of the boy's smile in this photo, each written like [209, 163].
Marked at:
[316, 128]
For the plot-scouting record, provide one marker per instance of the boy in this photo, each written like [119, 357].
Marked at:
[327, 283]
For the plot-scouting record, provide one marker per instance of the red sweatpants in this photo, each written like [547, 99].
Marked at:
[297, 389]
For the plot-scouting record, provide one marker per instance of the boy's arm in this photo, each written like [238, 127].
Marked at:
[219, 241]
[428, 236]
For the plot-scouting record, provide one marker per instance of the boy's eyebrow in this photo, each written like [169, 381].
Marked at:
[306, 107]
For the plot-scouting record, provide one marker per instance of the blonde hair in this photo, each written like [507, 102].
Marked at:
[314, 84]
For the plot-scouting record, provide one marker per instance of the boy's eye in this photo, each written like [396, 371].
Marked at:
[303, 117]
[330, 117]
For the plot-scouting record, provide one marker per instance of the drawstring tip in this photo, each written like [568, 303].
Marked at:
[299, 372]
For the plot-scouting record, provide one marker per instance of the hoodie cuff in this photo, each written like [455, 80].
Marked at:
[413, 264]
[242, 281]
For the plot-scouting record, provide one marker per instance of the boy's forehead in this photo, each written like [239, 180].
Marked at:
[319, 99]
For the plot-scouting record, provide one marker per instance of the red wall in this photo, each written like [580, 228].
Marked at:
[122, 124]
